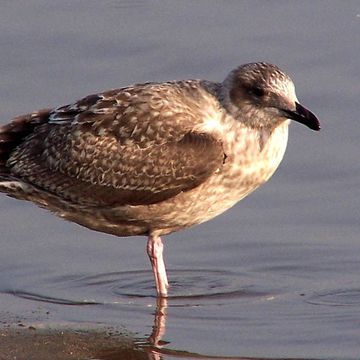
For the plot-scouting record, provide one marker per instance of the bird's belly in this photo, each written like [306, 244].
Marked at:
[223, 192]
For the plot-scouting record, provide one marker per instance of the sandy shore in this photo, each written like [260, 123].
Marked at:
[27, 342]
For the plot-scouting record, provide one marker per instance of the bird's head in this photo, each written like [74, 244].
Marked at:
[262, 96]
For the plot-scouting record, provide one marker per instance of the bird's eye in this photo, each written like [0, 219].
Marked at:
[258, 92]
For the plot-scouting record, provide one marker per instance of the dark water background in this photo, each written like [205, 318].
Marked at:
[277, 276]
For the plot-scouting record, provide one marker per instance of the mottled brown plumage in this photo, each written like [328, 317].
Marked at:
[153, 158]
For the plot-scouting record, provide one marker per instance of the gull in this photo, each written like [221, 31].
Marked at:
[153, 158]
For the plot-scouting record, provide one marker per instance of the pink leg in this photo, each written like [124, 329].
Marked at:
[155, 251]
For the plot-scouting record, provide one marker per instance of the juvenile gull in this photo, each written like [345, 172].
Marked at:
[153, 158]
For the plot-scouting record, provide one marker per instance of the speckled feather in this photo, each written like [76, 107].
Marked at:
[117, 144]
[152, 158]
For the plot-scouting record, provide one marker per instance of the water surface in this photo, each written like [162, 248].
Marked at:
[277, 276]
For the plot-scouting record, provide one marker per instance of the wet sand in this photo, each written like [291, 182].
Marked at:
[28, 331]
[27, 342]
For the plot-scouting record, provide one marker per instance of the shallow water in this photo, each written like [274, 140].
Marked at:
[277, 276]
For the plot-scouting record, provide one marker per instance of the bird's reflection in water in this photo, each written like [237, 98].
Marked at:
[159, 328]
[155, 341]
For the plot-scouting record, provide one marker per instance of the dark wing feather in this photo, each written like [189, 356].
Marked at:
[127, 152]
[13, 133]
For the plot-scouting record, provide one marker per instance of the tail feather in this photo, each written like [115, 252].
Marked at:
[14, 132]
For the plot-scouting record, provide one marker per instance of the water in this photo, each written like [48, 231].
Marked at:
[277, 276]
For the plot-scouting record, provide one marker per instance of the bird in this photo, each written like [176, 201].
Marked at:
[153, 158]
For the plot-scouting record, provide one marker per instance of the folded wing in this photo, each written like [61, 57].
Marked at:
[123, 147]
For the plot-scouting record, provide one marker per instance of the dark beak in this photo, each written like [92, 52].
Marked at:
[303, 116]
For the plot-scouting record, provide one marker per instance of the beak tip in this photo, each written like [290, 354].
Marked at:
[307, 118]
[316, 126]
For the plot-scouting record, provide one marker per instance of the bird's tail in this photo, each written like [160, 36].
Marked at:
[13, 133]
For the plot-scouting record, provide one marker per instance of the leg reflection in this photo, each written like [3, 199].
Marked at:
[159, 328]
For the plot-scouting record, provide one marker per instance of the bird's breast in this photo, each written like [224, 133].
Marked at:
[254, 155]
[252, 158]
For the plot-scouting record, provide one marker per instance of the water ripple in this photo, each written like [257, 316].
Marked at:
[336, 297]
[200, 286]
